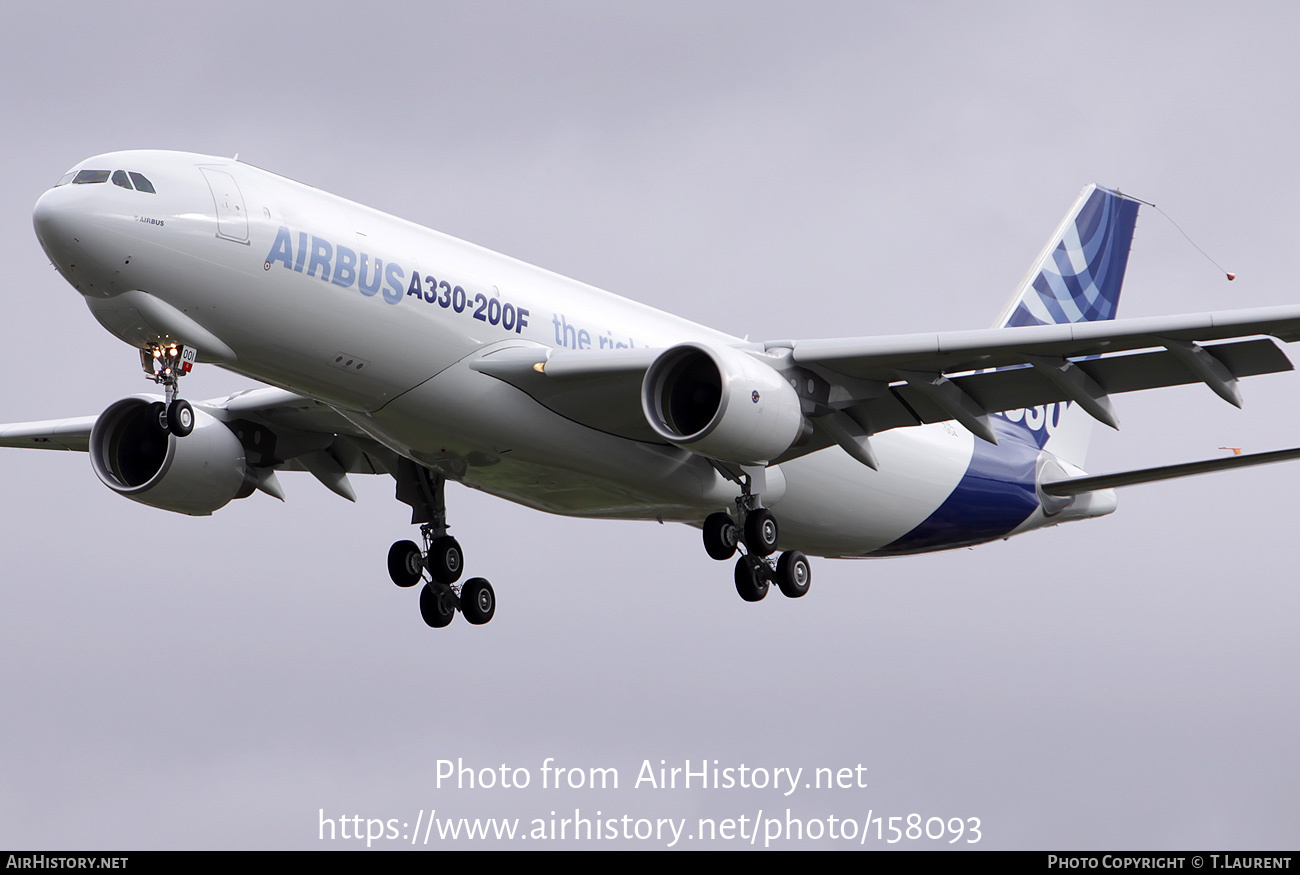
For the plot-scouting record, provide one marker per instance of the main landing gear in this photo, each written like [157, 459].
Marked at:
[165, 365]
[440, 598]
[440, 559]
[756, 568]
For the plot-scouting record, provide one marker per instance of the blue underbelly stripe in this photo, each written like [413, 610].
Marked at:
[995, 495]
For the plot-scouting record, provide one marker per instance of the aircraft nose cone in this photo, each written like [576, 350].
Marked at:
[52, 220]
[65, 229]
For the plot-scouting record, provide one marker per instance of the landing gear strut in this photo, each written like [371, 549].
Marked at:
[440, 559]
[757, 568]
[165, 365]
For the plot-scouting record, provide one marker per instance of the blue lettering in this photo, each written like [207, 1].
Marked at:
[345, 266]
[369, 288]
[414, 289]
[393, 275]
[282, 249]
[321, 251]
[302, 251]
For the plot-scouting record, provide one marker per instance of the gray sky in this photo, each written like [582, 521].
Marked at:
[213, 683]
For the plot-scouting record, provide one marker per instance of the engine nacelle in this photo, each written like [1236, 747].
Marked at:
[194, 475]
[722, 403]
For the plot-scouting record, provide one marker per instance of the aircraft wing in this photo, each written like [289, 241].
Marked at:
[857, 386]
[280, 431]
[51, 434]
[1091, 483]
[875, 357]
[881, 383]
[965, 375]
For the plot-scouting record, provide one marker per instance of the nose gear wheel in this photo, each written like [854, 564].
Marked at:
[165, 364]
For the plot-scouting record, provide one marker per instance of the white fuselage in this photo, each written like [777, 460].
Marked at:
[376, 316]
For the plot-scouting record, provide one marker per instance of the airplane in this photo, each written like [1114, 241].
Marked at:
[389, 348]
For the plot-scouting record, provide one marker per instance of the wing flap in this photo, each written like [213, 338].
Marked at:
[1132, 372]
[1015, 388]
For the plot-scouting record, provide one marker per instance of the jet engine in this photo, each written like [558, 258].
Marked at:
[194, 475]
[722, 403]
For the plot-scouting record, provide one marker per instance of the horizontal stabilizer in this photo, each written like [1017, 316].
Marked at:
[1077, 485]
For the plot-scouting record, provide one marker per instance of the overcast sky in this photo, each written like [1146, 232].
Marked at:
[1128, 682]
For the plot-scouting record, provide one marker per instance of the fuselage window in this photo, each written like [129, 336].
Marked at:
[141, 183]
[119, 178]
[87, 177]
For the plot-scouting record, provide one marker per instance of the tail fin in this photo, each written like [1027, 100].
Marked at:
[1077, 278]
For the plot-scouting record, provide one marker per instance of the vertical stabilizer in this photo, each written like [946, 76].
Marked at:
[1079, 274]
[1077, 278]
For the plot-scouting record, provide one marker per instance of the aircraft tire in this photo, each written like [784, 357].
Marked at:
[434, 608]
[404, 563]
[761, 532]
[158, 416]
[445, 560]
[477, 601]
[720, 536]
[180, 417]
[751, 585]
[793, 574]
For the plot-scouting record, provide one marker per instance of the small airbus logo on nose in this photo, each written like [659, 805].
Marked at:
[755, 396]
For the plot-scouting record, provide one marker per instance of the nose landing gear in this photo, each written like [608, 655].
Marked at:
[165, 365]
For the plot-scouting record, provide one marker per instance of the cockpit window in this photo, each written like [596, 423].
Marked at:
[123, 178]
[141, 183]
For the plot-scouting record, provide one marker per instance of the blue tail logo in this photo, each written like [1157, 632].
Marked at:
[1077, 278]
[1079, 275]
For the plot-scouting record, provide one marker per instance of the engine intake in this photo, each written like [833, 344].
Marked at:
[194, 475]
[722, 403]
